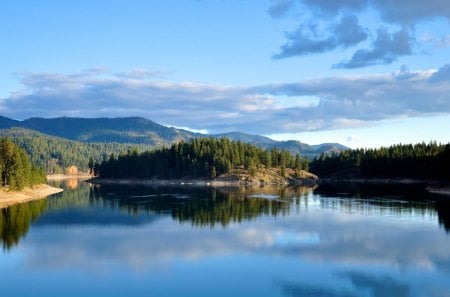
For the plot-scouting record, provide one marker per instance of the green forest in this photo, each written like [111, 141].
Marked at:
[16, 169]
[205, 157]
[55, 154]
[413, 161]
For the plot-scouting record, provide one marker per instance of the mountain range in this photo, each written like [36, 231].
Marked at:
[138, 130]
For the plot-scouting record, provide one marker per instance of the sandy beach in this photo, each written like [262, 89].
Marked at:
[8, 198]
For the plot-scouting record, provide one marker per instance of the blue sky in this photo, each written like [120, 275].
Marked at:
[364, 73]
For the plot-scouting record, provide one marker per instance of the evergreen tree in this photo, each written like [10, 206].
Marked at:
[206, 157]
[414, 161]
[15, 167]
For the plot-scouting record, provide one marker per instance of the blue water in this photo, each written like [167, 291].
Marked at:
[186, 241]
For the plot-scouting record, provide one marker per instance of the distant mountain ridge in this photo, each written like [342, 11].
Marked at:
[139, 130]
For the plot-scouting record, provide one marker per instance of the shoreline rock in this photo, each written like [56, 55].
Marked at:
[204, 182]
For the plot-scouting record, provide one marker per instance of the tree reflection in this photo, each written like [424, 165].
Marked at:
[443, 210]
[15, 221]
[200, 206]
[210, 207]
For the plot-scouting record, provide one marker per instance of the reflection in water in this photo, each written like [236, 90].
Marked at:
[72, 183]
[166, 241]
[200, 206]
[373, 285]
[443, 210]
[15, 221]
[206, 207]
[386, 199]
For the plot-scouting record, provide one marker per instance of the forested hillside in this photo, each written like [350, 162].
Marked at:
[206, 157]
[141, 131]
[16, 169]
[134, 130]
[54, 154]
[414, 161]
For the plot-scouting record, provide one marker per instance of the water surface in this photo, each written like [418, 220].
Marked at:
[188, 241]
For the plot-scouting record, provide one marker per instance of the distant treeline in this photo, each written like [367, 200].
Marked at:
[207, 157]
[16, 169]
[415, 161]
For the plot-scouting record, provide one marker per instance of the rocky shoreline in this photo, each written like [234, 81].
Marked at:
[237, 178]
[220, 182]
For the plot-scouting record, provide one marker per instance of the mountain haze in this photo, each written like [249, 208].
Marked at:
[138, 130]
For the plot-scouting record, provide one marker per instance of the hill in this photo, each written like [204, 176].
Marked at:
[137, 130]
[293, 146]
[55, 154]
[121, 130]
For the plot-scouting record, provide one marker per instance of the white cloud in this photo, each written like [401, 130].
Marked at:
[339, 102]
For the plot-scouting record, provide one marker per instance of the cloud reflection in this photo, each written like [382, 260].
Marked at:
[318, 236]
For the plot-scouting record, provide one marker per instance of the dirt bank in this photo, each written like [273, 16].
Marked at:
[8, 198]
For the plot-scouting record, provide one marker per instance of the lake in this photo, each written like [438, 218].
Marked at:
[346, 240]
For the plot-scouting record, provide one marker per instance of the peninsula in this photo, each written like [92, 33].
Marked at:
[206, 161]
[20, 181]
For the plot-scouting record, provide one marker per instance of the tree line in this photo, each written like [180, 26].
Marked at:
[16, 169]
[421, 160]
[201, 157]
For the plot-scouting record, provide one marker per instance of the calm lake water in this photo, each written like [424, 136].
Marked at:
[187, 241]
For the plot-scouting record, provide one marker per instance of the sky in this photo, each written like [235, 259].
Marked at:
[363, 73]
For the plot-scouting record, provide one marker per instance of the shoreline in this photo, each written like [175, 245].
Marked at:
[9, 198]
[197, 182]
[68, 176]
[433, 186]
[400, 180]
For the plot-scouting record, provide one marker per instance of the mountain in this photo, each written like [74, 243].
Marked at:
[6, 123]
[293, 146]
[137, 130]
[122, 130]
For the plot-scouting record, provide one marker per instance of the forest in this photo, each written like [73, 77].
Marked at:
[421, 160]
[16, 169]
[55, 154]
[204, 157]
